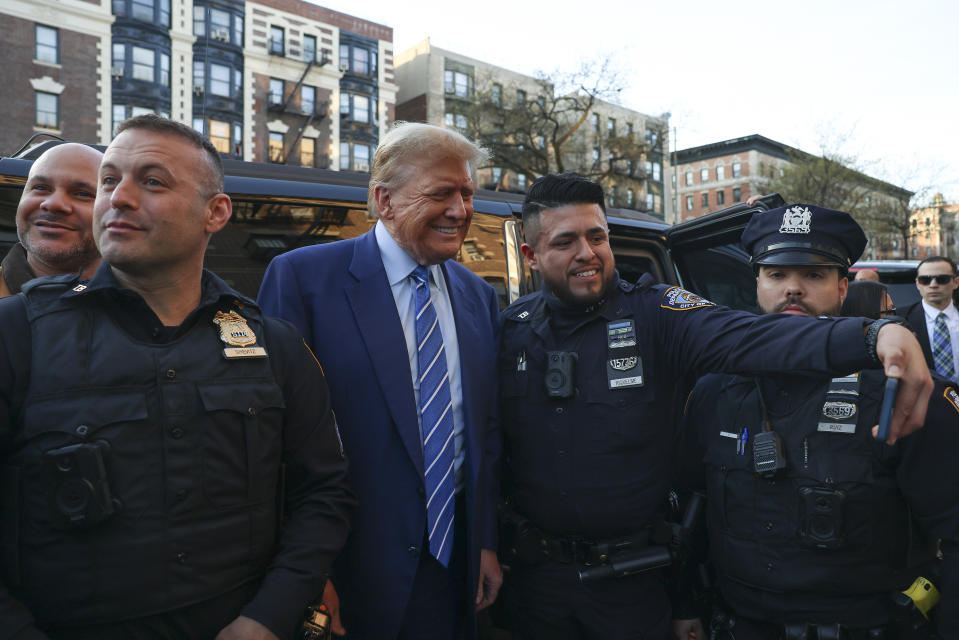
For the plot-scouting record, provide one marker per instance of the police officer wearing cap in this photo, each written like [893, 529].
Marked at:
[593, 371]
[813, 523]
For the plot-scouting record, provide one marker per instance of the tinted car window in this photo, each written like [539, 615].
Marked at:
[721, 275]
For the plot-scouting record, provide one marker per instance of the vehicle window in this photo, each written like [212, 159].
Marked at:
[632, 261]
[9, 198]
[720, 274]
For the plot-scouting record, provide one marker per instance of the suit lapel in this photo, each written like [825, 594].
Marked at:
[465, 313]
[375, 312]
[917, 321]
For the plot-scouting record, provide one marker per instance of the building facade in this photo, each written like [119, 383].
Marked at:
[933, 230]
[714, 176]
[274, 80]
[624, 149]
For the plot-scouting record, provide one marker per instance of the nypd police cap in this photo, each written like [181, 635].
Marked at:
[803, 234]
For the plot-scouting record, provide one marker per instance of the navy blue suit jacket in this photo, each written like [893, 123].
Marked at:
[339, 297]
[916, 317]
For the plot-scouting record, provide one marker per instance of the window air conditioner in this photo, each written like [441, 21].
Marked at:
[223, 35]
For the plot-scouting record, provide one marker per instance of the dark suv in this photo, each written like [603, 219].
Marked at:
[277, 208]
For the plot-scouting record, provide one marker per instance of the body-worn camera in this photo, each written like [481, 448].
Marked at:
[78, 491]
[560, 366]
[316, 623]
[821, 517]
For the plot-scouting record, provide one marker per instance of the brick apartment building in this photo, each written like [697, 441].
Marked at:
[273, 80]
[713, 176]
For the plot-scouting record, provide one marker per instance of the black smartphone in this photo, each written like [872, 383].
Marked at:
[888, 405]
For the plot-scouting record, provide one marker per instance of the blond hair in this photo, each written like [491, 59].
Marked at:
[409, 143]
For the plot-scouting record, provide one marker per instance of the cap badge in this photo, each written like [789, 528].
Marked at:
[796, 220]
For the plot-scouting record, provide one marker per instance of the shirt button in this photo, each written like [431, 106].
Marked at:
[170, 373]
[413, 550]
[251, 411]
[769, 566]
[559, 409]
[421, 491]
[83, 430]
[181, 494]
[769, 526]
[181, 557]
[176, 432]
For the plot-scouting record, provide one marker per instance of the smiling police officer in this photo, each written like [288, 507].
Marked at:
[813, 523]
[593, 369]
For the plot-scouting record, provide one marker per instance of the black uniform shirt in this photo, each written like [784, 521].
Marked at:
[317, 499]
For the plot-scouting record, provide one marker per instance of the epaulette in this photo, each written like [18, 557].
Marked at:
[523, 309]
[62, 281]
[645, 282]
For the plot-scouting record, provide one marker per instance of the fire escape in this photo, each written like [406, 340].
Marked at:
[285, 107]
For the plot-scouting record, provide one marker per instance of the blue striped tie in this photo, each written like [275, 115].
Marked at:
[436, 418]
[942, 348]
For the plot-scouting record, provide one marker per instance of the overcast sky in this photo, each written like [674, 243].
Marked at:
[879, 77]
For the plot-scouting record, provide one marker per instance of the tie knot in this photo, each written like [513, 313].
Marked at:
[941, 317]
[421, 274]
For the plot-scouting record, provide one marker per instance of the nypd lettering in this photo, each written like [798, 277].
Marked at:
[237, 334]
[624, 366]
[676, 299]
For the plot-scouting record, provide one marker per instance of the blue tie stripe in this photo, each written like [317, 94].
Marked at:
[436, 419]
[942, 348]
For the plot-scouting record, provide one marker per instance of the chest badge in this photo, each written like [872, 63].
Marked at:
[839, 410]
[623, 364]
[238, 336]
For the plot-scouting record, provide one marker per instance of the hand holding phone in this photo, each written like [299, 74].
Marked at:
[887, 408]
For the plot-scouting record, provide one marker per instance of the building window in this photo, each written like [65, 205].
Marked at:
[354, 156]
[458, 83]
[611, 126]
[155, 11]
[737, 194]
[308, 152]
[119, 60]
[629, 198]
[612, 195]
[361, 108]
[276, 147]
[144, 61]
[219, 135]
[704, 175]
[657, 172]
[720, 174]
[277, 41]
[521, 181]
[219, 25]
[220, 80]
[496, 95]
[737, 169]
[520, 98]
[48, 110]
[358, 59]
[595, 157]
[652, 138]
[720, 197]
[276, 91]
[650, 202]
[456, 121]
[497, 175]
[47, 45]
[689, 178]
[689, 203]
[595, 118]
[308, 99]
[629, 129]
[309, 49]
[705, 200]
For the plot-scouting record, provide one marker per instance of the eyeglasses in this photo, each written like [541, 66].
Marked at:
[887, 312]
[943, 278]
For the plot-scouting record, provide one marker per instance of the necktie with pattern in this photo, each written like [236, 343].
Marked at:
[942, 348]
[436, 415]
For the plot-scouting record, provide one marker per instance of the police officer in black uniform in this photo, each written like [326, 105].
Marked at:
[814, 523]
[171, 466]
[592, 371]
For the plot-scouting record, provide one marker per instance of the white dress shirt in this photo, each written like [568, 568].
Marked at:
[399, 265]
[952, 323]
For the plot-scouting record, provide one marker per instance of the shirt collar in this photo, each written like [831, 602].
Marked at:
[932, 313]
[212, 286]
[396, 261]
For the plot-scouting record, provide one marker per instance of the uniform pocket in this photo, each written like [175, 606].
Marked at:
[241, 441]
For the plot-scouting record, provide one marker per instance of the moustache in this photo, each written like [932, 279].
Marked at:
[792, 302]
